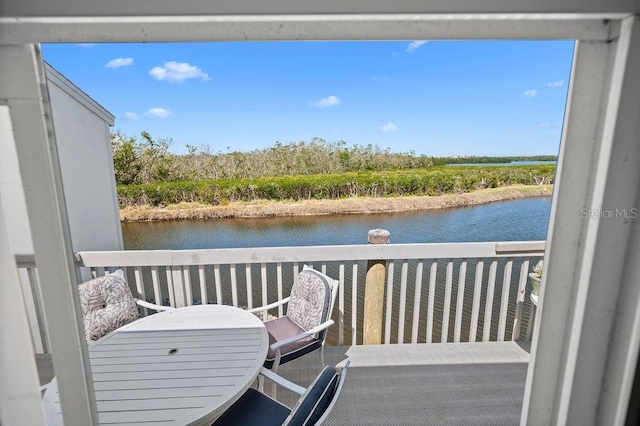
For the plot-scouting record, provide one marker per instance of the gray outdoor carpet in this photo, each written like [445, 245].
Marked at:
[464, 394]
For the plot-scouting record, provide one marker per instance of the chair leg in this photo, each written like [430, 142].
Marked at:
[322, 354]
[274, 387]
[260, 383]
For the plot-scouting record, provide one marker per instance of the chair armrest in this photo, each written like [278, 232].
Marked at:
[276, 346]
[271, 306]
[282, 381]
[148, 305]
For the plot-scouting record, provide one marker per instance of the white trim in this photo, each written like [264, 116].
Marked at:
[19, 394]
[25, 8]
[39, 169]
[308, 27]
[54, 77]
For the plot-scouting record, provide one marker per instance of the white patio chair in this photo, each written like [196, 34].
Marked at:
[107, 304]
[304, 327]
[254, 408]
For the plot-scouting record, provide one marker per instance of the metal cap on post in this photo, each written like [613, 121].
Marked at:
[374, 291]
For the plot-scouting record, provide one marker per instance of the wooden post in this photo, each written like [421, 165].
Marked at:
[374, 292]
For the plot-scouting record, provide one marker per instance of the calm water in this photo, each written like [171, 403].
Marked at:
[503, 221]
[525, 219]
[513, 163]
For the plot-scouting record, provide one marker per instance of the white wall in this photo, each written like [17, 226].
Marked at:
[84, 148]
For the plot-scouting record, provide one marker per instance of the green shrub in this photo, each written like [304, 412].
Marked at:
[426, 181]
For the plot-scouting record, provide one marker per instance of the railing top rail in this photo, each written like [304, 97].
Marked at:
[311, 253]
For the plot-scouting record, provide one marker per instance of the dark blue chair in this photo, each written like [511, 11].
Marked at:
[254, 408]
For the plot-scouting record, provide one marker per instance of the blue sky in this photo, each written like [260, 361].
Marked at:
[435, 97]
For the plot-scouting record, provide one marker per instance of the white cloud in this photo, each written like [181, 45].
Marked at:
[159, 112]
[389, 127]
[177, 72]
[130, 115]
[555, 83]
[530, 93]
[85, 44]
[119, 62]
[415, 45]
[327, 102]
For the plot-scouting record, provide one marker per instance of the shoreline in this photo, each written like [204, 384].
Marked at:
[358, 205]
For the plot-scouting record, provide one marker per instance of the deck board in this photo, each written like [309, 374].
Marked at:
[422, 384]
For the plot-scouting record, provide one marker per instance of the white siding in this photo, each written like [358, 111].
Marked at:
[84, 148]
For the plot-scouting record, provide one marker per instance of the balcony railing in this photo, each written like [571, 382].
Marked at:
[449, 292]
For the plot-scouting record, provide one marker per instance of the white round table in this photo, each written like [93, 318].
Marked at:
[180, 367]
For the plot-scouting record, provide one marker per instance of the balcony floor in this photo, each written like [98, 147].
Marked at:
[423, 384]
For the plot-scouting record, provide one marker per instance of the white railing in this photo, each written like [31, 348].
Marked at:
[434, 292]
[29, 279]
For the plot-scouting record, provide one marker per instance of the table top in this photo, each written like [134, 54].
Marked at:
[180, 367]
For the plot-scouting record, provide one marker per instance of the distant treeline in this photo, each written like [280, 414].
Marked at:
[147, 160]
[439, 161]
[422, 181]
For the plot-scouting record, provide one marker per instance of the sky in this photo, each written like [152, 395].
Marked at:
[431, 97]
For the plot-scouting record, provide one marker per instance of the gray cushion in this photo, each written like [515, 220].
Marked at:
[315, 400]
[310, 299]
[283, 328]
[107, 304]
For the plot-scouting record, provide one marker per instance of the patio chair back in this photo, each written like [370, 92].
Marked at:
[312, 298]
[316, 403]
[107, 304]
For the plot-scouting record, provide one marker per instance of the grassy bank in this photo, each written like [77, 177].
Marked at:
[433, 181]
[355, 205]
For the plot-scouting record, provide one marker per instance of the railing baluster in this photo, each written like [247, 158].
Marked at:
[248, 280]
[265, 300]
[403, 300]
[475, 310]
[296, 270]
[137, 273]
[177, 277]
[486, 325]
[204, 297]
[462, 278]
[522, 286]
[431, 301]
[387, 316]
[447, 303]
[279, 279]
[216, 277]
[188, 293]
[172, 299]
[323, 268]
[341, 305]
[234, 284]
[504, 305]
[157, 294]
[532, 318]
[37, 302]
[354, 304]
[416, 302]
